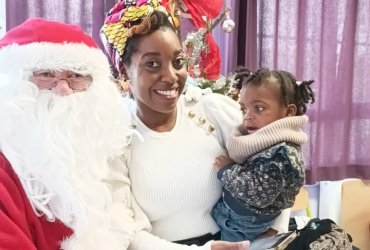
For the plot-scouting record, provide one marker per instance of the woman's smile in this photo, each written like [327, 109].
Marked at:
[169, 94]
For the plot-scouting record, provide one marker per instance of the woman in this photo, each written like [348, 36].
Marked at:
[170, 168]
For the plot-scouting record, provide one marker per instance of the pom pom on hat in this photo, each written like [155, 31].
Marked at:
[44, 44]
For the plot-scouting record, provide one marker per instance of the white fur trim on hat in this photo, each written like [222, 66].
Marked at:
[79, 58]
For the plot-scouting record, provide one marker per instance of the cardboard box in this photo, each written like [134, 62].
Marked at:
[355, 212]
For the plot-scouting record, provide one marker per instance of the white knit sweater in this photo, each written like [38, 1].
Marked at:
[173, 181]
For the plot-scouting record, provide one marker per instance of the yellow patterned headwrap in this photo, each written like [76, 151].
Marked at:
[120, 19]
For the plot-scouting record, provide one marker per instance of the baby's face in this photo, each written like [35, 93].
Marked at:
[261, 105]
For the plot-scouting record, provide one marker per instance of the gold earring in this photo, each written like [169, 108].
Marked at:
[123, 84]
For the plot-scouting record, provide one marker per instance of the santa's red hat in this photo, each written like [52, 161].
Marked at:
[43, 44]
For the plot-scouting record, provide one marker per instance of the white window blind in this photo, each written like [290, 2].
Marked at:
[2, 18]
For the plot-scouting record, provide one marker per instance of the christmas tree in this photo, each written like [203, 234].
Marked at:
[196, 49]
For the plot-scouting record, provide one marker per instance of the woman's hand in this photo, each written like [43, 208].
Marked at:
[224, 245]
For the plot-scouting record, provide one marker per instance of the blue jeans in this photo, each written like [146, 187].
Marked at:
[235, 227]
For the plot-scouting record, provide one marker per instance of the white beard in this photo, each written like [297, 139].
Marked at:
[59, 148]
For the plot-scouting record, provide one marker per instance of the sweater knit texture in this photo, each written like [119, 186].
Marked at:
[173, 181]
[287, 129]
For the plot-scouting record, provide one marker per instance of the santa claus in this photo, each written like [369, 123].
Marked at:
[64, 134]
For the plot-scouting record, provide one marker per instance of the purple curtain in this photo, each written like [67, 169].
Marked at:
[227, 41]
[247, 33]
[88, 14]
[327, 41]
[99, 10]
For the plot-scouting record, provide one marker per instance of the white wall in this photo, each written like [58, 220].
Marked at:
[325, 200]
[2, 18]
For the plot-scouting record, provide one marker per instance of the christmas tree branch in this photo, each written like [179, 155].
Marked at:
[210, 26]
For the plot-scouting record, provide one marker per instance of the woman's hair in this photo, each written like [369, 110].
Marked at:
[157, 20]
[291, 91]
[127, 22]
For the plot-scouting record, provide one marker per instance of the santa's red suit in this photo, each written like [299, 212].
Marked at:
[20, 227]
[63, 183]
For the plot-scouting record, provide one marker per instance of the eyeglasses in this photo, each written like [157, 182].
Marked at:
[46, 79]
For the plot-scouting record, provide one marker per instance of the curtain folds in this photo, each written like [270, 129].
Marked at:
[327, 41]
[88, 14]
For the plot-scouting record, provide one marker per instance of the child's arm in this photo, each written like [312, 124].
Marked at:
[261, 182]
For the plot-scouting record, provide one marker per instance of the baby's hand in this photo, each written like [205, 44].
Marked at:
[221, 161]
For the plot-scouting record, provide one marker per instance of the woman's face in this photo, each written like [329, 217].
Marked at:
[157, 72]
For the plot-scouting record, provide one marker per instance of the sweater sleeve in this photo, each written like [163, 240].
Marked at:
[221, 111]
[256, 187]
[260, 181]
[121, 212]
